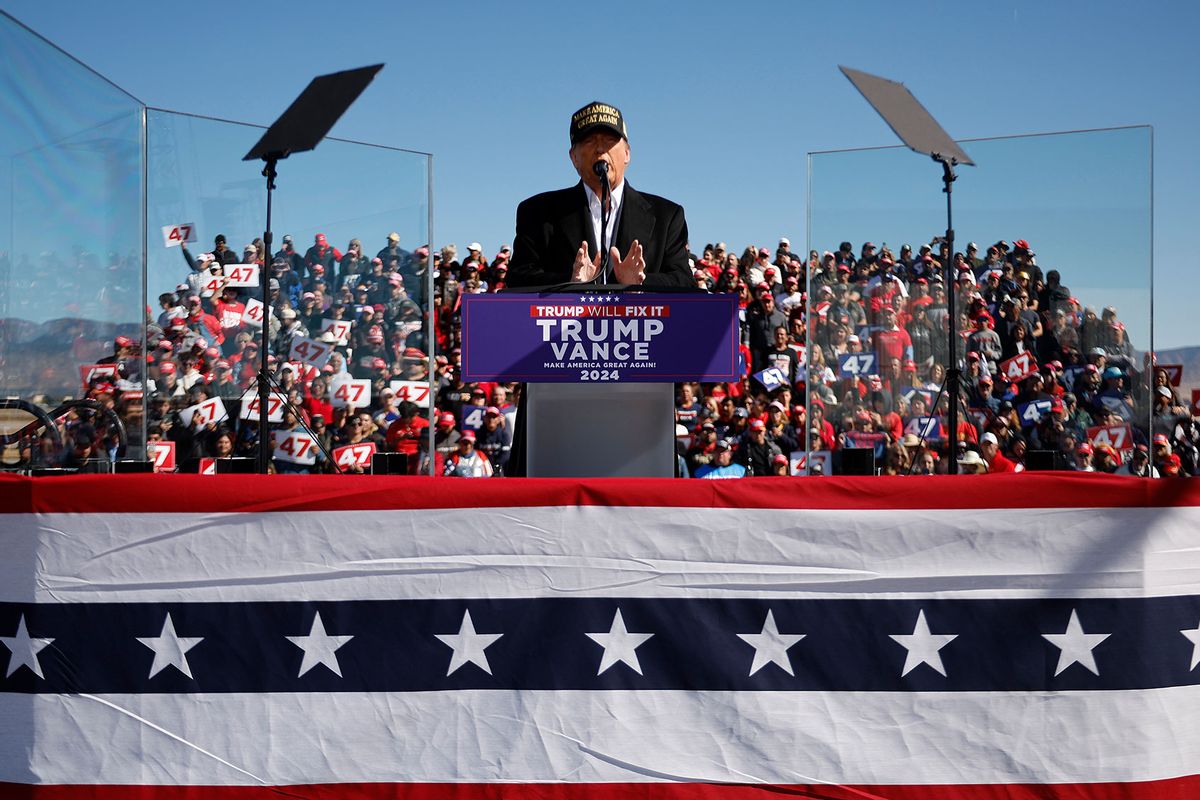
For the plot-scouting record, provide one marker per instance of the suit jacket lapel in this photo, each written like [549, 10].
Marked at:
[637, 221]
[576, 224]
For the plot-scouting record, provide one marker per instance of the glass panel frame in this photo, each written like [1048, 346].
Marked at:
[1082, 199]
[71, 232]
[343, 190]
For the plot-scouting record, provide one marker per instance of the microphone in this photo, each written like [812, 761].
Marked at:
[601, 169]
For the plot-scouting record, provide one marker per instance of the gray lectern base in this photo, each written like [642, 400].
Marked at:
[600, 430]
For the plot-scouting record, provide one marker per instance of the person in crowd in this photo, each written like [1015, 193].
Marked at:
[721, 466]
[466, 461]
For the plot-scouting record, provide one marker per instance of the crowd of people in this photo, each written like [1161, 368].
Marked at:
[844, 350]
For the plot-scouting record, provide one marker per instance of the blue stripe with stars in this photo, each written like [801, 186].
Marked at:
[848, 645]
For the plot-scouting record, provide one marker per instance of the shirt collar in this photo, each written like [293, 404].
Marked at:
[616, 193]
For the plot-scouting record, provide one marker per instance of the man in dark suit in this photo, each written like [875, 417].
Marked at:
[558, 232]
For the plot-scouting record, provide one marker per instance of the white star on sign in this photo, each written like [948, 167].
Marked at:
[771, 646]
[170, 649]
[24, 649]
[923, 646]
[619, 645]
[468, 645]
[1076, 646]
[1192, 635]
[319, 647]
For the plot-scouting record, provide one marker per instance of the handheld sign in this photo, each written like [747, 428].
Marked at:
[876, 441]
[925, 427]
[175, 235]
[163, 455]
[350, 392]
[304, 372]
[1196, 402]
[208, 466]
[297, 447]
[470, 418]
[250, 406]
[924, 394]
[1019, 367]
[981, 416]
[242, 276]
[309, 351]
[211, 284]
[820, 462]
[771, 378]
[852, 365]
[1174, 372]
[90, 372]
[416, 392]
[231, 317]
[599, 337]
[797, 462]
[201, 414]
[1118, 437]
[340, 328]
[253, 315]
[1031, 413]
[354, 455]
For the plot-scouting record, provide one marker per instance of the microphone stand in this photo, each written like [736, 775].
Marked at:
[601, 169]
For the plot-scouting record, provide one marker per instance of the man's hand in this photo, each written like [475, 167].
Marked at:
[585, 268]
[631, 270]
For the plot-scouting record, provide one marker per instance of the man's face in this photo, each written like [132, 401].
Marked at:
[600, 145]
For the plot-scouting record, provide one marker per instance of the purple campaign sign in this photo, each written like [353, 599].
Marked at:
[600, 337]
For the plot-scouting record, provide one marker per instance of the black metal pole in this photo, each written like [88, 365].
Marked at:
[952, 371]
[605, 195]
[264, 280]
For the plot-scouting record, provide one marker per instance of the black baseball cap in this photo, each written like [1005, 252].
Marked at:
[596, 115]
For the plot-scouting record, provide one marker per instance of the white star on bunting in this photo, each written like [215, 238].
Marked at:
[468, 646]
[771, 646]
[319, 647]
[170, 649]
[619, 645]
[24, 650]
[1193, 636]
[923, 646]
[1076, 646]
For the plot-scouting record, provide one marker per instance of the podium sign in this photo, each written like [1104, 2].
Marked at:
[603, 337]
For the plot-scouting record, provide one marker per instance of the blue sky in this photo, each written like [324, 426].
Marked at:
[723, 100]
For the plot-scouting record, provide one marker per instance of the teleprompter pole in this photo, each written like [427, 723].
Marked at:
[264, 282]
[953, 373]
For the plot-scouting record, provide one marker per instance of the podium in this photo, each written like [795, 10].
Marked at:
[600, 368]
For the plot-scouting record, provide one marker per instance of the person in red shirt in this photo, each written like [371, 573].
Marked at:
[316, 401]
[205, 324]
[228, 311]
[407, 433]
[997, 461]
[892, 341]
